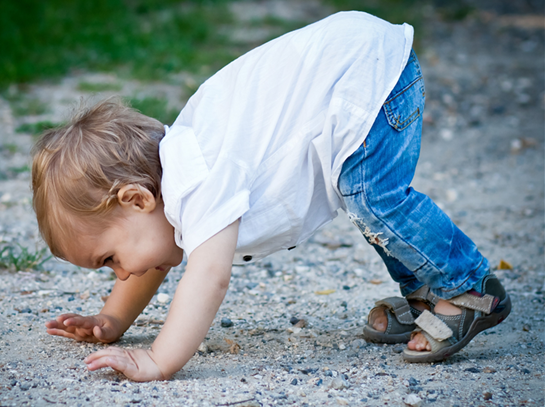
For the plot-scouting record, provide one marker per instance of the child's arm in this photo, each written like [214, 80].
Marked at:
[197, 299]
[126, 301]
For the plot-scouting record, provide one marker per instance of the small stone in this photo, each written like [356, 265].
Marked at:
[294, 320]
[294, 382]
[346, 287]
[339, 384]
[472, 370]
[398, 349]
[413, 382]
[203, 348]
[342, 401]
[328, 373]
[315, 381]
[163, 298]
[525, 371]
[25, 386]
[489, 370]
[526, 328]
[226, 322]
[301, 323]
[358, 344]
[413, 400]
[487, 395]
[25, 311]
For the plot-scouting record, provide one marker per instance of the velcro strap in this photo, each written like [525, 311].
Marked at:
[433, 326]
[477, 301]
[434, 344]
[424, 294]
[400, 308]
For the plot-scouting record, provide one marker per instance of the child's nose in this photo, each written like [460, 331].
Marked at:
[121, 274]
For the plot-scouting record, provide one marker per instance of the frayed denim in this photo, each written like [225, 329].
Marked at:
[417, 241]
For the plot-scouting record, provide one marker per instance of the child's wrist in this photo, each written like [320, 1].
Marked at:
[163, 369]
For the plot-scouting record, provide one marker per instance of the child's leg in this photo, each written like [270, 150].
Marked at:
[417, 241]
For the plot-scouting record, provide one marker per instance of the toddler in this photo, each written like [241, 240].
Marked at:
[267, 151]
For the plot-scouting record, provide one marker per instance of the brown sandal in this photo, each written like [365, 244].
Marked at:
[447, 334]
[401, 317]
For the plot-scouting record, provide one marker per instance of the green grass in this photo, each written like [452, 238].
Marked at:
[145, 38]
[35, 129]
[22, 105]
[155, 107]
[18, 258]
[10, 147]
[99, 87]
[19, 170]
[148, 39]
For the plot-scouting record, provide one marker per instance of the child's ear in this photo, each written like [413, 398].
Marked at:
[136, 197]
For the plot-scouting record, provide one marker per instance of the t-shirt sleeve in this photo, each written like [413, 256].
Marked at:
[200, 200]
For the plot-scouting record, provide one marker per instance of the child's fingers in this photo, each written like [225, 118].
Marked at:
[63, 317]
[113, 357]
[123, 364]
[80, 322]
[58, 322]
[98, 333]
[77, 336]
[109, 351]
[60, 332]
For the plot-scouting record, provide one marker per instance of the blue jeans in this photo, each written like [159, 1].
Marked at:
[417, 241]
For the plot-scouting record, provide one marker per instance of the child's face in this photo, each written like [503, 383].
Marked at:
[136, 241]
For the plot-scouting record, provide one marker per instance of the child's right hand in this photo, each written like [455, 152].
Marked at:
[95, 328]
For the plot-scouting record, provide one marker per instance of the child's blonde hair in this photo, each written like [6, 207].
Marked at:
[78, 169]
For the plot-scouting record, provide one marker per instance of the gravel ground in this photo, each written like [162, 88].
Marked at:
[482, 161]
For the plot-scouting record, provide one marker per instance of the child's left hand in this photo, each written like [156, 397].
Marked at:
[136, 364]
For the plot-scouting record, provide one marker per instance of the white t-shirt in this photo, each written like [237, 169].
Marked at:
[264, 139]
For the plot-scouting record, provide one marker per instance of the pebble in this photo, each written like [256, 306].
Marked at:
[413, 400]
[226, 322]
[25, 386]
[163, 298]
[413, 382]
[398, 349]
[339, 384]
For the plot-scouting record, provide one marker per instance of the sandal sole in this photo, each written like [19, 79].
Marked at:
[478, 325]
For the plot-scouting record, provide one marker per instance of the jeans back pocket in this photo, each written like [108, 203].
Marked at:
[405, 103]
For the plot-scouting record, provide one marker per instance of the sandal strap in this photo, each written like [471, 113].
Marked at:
[432, 325]
[476, 301]
[399, 307]
[424, 294]
[435, 344]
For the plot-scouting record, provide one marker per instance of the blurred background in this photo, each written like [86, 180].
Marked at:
[181, 42]
[156, 53]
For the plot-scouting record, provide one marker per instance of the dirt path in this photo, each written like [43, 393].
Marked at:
[482, 161]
